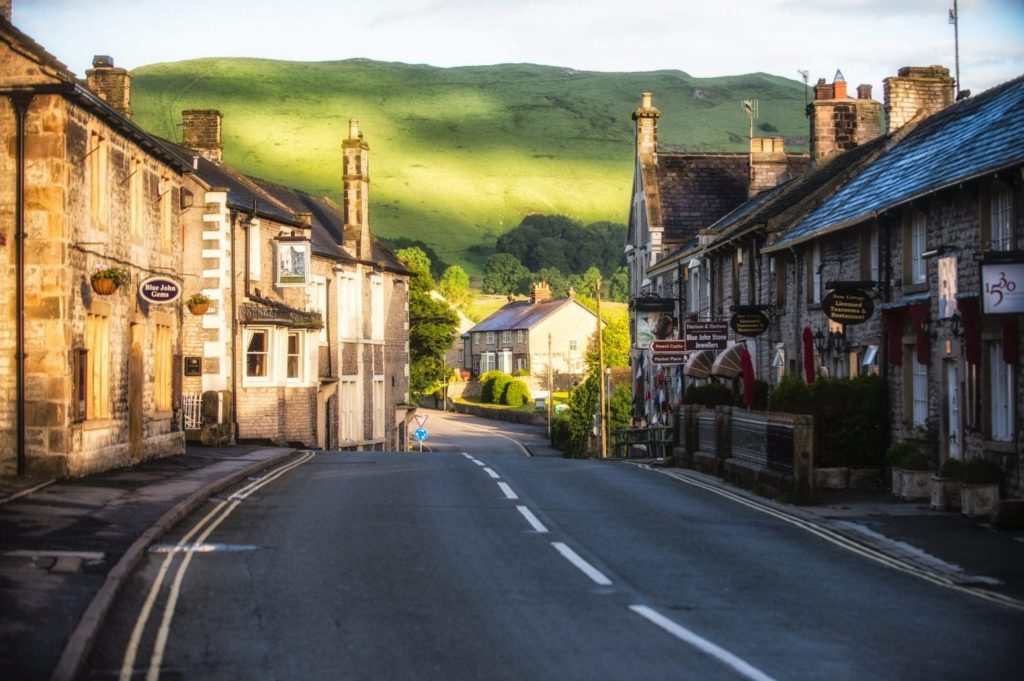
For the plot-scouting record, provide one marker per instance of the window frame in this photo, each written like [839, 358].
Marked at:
[919, 402]
[350, 412]
[377, 307]
[1000, 395]
[298, 356]
[97, 347]
[350, 303]
[99, 181]
[267, 376]
[918, 245]
[379, 396]
[1001, 218]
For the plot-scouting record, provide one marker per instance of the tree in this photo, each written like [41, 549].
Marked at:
[454, 286]
[432, 326]
[618, 285]
[503, 273]
[556, 280]
[616, 344]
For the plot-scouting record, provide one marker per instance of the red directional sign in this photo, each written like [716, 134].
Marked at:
[668, 346]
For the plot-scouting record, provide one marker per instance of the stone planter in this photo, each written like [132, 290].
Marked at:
[104, 286]
[945, 494]
[865, 478]
[915, 485]
[979, 500]
[832, 478]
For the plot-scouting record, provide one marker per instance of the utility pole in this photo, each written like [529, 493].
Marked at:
[603, 432]
[551, 390]
[954, 18]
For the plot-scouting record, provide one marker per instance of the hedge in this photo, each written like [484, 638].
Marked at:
[492, 386]
[709, 395]
[517, 394]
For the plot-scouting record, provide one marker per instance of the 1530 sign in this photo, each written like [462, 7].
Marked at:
[848, 307]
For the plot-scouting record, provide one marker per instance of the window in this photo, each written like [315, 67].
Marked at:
[136, 196]
[505, 361]
[255, 250]
[814, 274]
[693, 289]
[489, 339]
[348, 400]
[162, 361]
[350, 304]
[80, 376]
[166, 213]
[97, 345]
[920, 390]
[295, 356]
[462, 357]
[918, 244]
[971, 396]
[573, 346]
[1002, 220]
[520, 363]
[99, 197]
[256, 354]
[506, 337]
[1000, 394]
[318, 303]
[378, 407]
[377, 307]
[488, 362]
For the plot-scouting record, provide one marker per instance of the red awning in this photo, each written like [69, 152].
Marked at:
[808, 355]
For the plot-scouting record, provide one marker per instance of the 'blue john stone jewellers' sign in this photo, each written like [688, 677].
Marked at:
[159, 290]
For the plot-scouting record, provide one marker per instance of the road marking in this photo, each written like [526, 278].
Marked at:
[509, 494]
[131, 651]
[479, 463]
[491, 473]
[586, 568]
[491, 432]
[702, 644]
[467, 456]
[204, 548]
[844, 542]
[532, 519]
[87, 556]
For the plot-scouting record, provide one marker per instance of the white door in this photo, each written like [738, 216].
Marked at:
[953, 410]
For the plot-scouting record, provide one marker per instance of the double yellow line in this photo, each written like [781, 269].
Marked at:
[206, 525]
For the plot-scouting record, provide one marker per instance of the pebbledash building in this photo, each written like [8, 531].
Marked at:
[108, 356]
[923, 220]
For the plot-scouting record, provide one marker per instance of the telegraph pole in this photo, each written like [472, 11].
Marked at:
[954, 18]
[551, 390]
[603, 432]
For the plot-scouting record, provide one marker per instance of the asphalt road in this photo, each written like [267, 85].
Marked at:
[388, 566]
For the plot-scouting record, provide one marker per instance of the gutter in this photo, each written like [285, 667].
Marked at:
[20, 102]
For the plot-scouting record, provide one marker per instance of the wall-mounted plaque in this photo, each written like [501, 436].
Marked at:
[159, 290]
[193, 366]
[848, 307]
[706, 335]
[750, 324]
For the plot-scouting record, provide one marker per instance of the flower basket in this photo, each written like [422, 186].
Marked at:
[106, 281]
[198, 304]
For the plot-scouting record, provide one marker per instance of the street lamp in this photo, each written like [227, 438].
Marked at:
[820, 342]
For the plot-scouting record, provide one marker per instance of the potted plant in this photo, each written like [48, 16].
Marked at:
[946, 486]
[198, 304]
[910, 479]
[979, 493]
[107, 280]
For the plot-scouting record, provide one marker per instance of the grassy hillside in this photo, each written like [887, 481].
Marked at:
[459, 155]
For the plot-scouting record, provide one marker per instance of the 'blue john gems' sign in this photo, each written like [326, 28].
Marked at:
[160, 290]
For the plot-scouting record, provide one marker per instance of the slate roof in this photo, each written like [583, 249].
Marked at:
[698, 189]
[521, 314]
[971, 138]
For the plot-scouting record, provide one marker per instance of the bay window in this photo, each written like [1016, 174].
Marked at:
[257, 354]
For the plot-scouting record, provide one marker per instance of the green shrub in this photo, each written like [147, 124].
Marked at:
[762, 391]
[709, 395]
[498, 387]
[791, 396]
[561, 432]
[908, 456]
[517, 394]
[521, 372]
[981, 472]
[488, 393]
[952, 469]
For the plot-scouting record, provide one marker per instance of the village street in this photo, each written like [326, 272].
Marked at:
[477, 561]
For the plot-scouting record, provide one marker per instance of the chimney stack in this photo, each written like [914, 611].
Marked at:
[5, 9]
[646, 118]
[926, 89]
[838, 122]
[356, 193]
[201, 132]
[112, 85]
[540, 292]
[768, 164]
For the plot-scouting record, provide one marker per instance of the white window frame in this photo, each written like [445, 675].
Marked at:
[874, 270]
[521, 336]
[350, 301]
[267, 378]
[349, 418]
[1000, 394]
[693, 289]
[377, 307]
[490, 338]
[318, 303]
[506, 337]
[379, 403]
[918, 244]
[1001, 219]
[300, 356]
[488, 361]
[919, 388]
[255, 250]
[505, 360]
[574, 345]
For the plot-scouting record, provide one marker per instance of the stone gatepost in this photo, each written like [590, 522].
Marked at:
[803, 459]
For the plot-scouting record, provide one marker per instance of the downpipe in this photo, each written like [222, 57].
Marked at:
[20, 102]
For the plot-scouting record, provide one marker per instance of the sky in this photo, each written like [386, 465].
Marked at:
[866, 39]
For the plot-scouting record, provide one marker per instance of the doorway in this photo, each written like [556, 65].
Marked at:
[953, 433]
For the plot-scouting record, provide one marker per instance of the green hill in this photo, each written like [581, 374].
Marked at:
[459, 155]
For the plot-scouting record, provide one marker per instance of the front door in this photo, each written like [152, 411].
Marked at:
[136, 375]
[953, 410]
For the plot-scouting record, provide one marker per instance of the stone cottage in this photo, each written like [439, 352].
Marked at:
[90, 378]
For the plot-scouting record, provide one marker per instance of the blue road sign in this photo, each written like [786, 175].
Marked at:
[420, 434]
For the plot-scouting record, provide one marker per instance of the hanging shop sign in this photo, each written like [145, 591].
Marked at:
[193, 366]
[706, 335]
[668, 346]
[1003, 284]
[668, 358]
[750, 324]
[848, 307]
[159, 290]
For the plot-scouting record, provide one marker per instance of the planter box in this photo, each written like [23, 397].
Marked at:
[865, 478]
[945, 494]
[832, 478]
[897, 480]
[979, 500]
[915, 485]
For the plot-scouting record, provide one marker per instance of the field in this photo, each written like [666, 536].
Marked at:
[458, 155]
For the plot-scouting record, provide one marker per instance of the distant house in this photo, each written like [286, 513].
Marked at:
[516, 338]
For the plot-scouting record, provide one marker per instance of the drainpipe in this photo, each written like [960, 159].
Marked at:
[234, 326]
[21, 102]
[885, 272]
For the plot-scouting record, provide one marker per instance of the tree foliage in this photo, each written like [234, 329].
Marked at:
[504, 274]
[454, 286]
[616, 344]
[437, 264]
[432, 326]
[559, 242]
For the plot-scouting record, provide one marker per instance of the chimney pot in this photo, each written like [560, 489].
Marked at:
[864, 91]
[540, 292]
[112, 85]
[102, 61]
[353, 129]
[646, 99]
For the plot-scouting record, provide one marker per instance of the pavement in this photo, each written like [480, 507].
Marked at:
[60, 542]
[477, 560]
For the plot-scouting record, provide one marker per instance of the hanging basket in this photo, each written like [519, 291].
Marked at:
[104, 286]
[106, 281]
[198, 304]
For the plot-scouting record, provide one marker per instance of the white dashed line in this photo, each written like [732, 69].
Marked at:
[479, 463]
[586, 568]
[491, 473]
[532, 519]
[467, 456]
[702, 644]
[509, 494]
